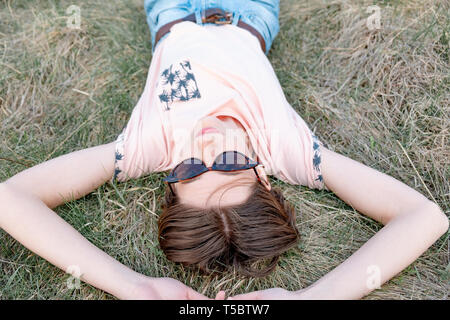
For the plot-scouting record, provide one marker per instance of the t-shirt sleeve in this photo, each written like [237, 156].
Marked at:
[141, 146]
[298, 156]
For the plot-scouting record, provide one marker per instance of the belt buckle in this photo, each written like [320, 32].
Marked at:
[219, 18]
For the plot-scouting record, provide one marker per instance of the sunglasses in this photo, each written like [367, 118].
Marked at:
[227, 161]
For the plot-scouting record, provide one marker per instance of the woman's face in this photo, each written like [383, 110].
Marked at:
[210, 137]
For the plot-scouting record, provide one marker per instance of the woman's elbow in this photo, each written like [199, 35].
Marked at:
[440, 220]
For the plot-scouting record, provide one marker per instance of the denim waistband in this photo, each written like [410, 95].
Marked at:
[260, 14]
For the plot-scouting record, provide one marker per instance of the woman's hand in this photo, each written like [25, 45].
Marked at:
[163, 289]
[270, 294]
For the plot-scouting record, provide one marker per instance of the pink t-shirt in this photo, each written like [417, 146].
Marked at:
[198, 71]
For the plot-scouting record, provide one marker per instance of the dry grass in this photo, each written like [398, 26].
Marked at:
[380, 97]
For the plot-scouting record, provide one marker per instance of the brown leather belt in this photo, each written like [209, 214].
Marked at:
[212, 15]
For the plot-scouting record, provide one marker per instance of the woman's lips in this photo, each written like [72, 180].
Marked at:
[208, 130]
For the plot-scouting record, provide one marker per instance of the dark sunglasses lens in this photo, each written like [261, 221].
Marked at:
[188, 168]
[233, 160]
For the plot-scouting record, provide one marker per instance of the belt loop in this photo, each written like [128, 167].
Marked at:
[199, 6]
[236, 18]
[198, 16]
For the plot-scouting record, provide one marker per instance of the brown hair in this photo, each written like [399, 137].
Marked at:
[215, 239]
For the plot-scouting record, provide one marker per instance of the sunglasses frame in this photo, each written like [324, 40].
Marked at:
[251, 166]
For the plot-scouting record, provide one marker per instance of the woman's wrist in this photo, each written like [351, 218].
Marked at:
[303, 294]
[127, 284]
[310, 293]
[139, 287]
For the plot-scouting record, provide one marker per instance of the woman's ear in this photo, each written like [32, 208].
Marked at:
[263, 176]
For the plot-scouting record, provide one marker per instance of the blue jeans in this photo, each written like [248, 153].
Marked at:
[260, 14]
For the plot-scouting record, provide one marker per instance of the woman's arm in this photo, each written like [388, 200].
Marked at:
[67, 177]
[25, 202]
[412, 224]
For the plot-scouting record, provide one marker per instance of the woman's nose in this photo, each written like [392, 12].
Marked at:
[209, 155]
[210, 145]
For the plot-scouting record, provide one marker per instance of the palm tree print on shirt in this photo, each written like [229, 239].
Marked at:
[177, 83]
[119, 155]
[317, 158]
